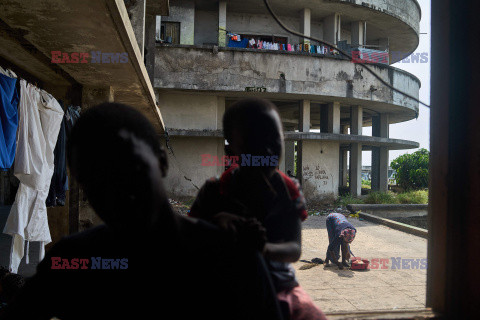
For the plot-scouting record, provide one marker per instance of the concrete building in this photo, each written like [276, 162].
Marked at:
[324, 101]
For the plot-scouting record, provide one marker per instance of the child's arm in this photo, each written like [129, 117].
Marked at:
[283, 252]
[285, 238]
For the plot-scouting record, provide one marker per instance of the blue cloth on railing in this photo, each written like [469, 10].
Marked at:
[8, 120]
[238, 44]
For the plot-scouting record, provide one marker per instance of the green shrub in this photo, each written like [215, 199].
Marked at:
[413, 197]
[381, 198]
[412, 170]
[348, 199]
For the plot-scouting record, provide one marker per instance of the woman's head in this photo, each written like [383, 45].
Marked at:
[348, 235]
[253, 127]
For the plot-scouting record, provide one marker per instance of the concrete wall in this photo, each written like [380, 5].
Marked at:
[187, 164]
[245, 23]
[346, 35]
[320, 170]
[184, 111]
[232, 69]
[187, 111]
[206, 27]
[407, 10]
[183, 11]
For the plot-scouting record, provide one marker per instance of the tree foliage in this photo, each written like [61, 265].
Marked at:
[412, 170]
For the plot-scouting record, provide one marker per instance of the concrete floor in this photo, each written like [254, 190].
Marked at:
[5, 242]
[336, 290]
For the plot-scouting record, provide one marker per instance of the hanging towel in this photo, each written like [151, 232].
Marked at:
[8, 120]
[40, 119]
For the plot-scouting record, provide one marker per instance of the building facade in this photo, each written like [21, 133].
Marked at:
[211, 53]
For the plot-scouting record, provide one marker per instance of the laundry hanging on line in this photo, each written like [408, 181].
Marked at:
[40, 118]
[8, 118]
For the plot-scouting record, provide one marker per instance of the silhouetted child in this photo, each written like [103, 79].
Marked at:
[116, 156]
[256, 189]
[340, 234]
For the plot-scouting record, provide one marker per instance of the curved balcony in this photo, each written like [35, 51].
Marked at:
[367, 141]
[391, 24]
[284, 75]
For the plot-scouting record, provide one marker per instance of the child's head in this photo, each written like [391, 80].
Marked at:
[10, 284]
[253, 127]
[115, 154]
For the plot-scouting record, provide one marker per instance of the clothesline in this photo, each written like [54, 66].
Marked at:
[236, 41]
[33, 126]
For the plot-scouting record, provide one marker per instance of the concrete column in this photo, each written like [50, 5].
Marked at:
[137, 13]
[150, 35]
[343, 167]
[303, 126]
[305, 23]
[304, 116]
[334, 117]
[381, 126]
[359, 33]
[222, 24]
[220, 112]
[332, 28]
[380, 161]
[356, 120]
[158, 27]
[289, 157]
[356, 169]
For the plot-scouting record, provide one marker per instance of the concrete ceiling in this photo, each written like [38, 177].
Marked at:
[31, 29]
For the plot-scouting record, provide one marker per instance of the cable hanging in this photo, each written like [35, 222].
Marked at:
[284, 27]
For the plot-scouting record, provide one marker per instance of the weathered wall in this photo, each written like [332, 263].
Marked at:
[407, 10]
[193, 68]
[320, 170]
[186, 111]
[187, 164]
[183, 11]
[206, 27]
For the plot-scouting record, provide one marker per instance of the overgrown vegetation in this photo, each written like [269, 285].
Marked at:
[417, 196]
[410, 197]
[412, 170]
[381, 197]
[348, 199]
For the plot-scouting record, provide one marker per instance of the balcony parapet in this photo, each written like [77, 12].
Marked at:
[284, 74]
